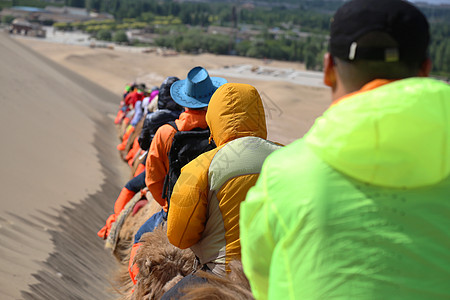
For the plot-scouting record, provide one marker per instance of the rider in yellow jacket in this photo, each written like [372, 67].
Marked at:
[204, 208]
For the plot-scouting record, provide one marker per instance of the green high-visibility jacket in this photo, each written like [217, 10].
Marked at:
[360, 207]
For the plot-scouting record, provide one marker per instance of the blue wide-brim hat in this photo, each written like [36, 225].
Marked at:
[196, 90]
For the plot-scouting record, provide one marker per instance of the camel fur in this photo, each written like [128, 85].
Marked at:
[131, 224]
[234, 286]
[161, 265]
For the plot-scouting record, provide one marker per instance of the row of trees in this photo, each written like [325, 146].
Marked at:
[198, 16]
[308, 15]
[196, 39]
[118, 36]
[204, 14]
[309, 50]
[440, 48]
[182, 26]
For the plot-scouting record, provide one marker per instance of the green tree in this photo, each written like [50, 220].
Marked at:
[256, 51]
[445, 67]
[310, 61]
[7, 19]
[147, 17]
[62, 26]
[103, 35]
[185, 17]
[120, 37]
[75, 3]
[242, 48]
[48, 22]
[217, 44]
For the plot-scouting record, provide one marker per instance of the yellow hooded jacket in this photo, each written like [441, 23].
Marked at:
[204, 208]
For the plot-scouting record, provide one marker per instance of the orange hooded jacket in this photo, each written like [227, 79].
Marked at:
[157, 164]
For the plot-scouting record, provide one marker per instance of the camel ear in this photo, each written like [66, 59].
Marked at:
[329, 70]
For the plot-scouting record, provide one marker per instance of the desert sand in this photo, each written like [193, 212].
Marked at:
[60, 171]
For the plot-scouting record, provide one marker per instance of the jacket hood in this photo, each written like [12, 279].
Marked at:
[236, 110]
[396, 135]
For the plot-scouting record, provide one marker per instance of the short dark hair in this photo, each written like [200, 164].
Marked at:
[141, 86]
[356, 74]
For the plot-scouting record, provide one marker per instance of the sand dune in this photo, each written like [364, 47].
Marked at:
[54, 127]
[60, 172]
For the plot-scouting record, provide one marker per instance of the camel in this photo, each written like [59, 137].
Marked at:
[161, 265]
[122, 232]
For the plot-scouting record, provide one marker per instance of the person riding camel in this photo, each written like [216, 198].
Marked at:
[167, 111]
[136, 96]
[194, 94]
[204, 207]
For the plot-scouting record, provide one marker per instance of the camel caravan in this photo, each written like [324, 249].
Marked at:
[216, 132]
[356, 209]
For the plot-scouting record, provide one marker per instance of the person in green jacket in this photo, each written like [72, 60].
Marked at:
[359, 208]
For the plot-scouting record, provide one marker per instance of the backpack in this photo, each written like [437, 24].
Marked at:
[186, 146]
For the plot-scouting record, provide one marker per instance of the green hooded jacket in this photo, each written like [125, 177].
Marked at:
[360, 207]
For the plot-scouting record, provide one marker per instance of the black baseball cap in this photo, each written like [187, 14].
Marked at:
[401, 20]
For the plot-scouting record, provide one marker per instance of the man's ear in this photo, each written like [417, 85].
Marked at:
[329, 71]
[425, 68]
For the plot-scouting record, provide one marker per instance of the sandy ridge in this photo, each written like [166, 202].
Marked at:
[57, 153]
